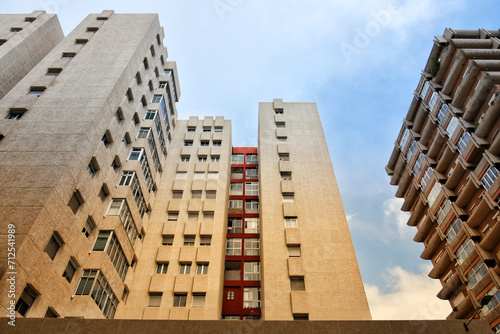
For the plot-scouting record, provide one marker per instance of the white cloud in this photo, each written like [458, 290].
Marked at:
[411, 296]
[395, 218]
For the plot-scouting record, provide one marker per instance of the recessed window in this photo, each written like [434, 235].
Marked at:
[70, 270]
[288, 197]
[130, 95]
[180, 300]
[282, 139]
[218, 129]
[101, 18]
[26, 300]
[152, 49]
[236, 189]
[76, 201]
[51, 313]
[37, 91]
[115, 164]
[161, 268]
[158, 40]
[185, 158]
[146, 63]
[286, 176]
[291, 222]
[188, 143]
[211, 194]
[104, 192]
[2, 41]
[198, 300]
[293, 250]
[16, 114]
[234, 225]
[204, 143]
[138, 78]
[106, 138]
[213, 175]
[177, 194]
[235, 204]
[196, 194]
[15, 30]
[207, 129]
[278, 111]
[215, 158]
[199, 175]
[81, 41]
[168, 240]
[54, 71]
[301, 316]
[185, 268]
[205, 240]
[68, 55]
[191, 129]
[92, 29]
[189, 240]
[93, 167]
[154, 299]
[193, 215]
[202, 158]
[284, 156]
[89, 227]
[29, 19]
[55, 242]
[217, 143]
[202, 268]
[297, 283]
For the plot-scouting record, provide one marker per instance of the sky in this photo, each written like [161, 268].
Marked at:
[359, 60]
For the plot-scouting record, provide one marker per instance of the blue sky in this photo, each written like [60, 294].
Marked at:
[359, 60]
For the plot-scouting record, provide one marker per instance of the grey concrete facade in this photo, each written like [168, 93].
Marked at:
[24, 40]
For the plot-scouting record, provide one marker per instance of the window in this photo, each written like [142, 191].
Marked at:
[193, 215]
[278, 111]
[168, 240]
[404, 139]
[89, 227]
[191, 129]
[234, 225]
[233, 246]
[106, 138]
[297, 283]
[154, 299]
[195, 193]
[463, 141]
[54, 71]
[252, 159]
[425, 88]
[418, 163]
[211, 194]
[452, 125]
[15, 30]
[235, 204]
[251, 271]
[252, 246]
[26, 300]
[494, 301]
[51, 313]
[68, 55]
[442, 113]
[218, 129]
[16, 114]
[185, 268]
[208, 215]
[119, 207]
[185, 158]
[115, 164]
[188, 143]
[291, 222]
[53, 245]
[464, 250]
[476, 273]
[92, 167]
[177, 194]
[198, 300]
[126, 178]
[433, 194]
[199, 175]
[207, 129]
[282, 139]
[286, 176]
[189, 240]
[93, 283]
[202, 158]
[288, 197]
[301, 316]
[489, 177]
[213, 175]
[411, 149]
[251, 205]
[293, 250]
[138, 78]
[284, 156]
[236, 188]
[236, 172]
[237, 158]
[202, 268]
[280, 125]
[251, 173]
[426, 177]
[217, 143]
[143, 133]
[181, 175]
[107, 241]
[251, 225]
[443, 210]
[37, 91]
[215, 158]
[251, 297]
[453, 229]
[161, 268]
[204, 143]
[69, 272]
[180, 300]
[433, 100]
[2, 41]
[230, 295]
[81, 41]
[172, 216]
[76, 201]
[146, 63]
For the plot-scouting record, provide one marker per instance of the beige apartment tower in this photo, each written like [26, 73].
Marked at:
[118, 209]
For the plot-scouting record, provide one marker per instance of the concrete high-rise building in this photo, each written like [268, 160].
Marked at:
[117, 209]
[445, 164]
[25, 39]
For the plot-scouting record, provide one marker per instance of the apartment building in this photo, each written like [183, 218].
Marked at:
[121, 210]
[445, 163]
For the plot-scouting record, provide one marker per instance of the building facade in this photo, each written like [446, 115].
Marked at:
[117, 209]
[445, 164]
